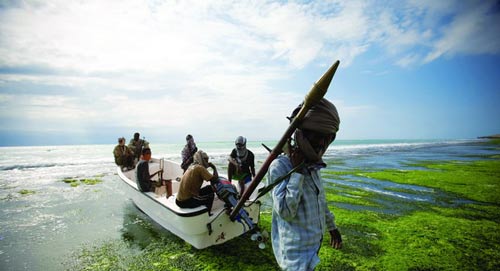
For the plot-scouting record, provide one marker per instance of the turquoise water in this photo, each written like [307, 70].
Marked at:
[42, 229]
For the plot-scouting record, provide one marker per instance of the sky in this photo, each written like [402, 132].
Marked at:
[88, 72]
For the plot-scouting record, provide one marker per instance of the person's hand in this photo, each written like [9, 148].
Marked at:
[335, 239]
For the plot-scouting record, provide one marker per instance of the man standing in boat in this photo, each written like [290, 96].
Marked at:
[137, 145]
[124, 156]
[300, 213]
[191, 194]
[241, 165]
[142, 176]
[187, 152]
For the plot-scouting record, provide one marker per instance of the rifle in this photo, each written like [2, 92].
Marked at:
[316, 93]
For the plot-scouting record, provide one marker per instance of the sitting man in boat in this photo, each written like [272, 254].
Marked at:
[191, 194]
[144, 182]
[241, 165]
[187, 152]
[124, 156]
[137, 145]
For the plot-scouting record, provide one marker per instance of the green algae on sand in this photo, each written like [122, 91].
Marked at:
[77, 182]
[431, 238]
[26, 192]
[474, 180]
[463, 237]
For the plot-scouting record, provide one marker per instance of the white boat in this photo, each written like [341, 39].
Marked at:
[194, 225]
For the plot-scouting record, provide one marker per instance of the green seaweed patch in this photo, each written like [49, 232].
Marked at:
[91, 181]
[421, 241]
[437, 239]
[475, 180]
[353, 196]
[26, 192]
[112, 255]
[172, 254]
[361, 241]
[495, 141]
[72, 182]
[77, 182]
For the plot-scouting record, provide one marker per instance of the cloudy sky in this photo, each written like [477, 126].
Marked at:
[80, 72]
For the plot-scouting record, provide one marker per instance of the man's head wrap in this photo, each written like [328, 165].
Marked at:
[200, 158]
[322, 118]
[241, 149]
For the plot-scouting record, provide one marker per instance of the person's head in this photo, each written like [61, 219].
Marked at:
[317, 130]
[241, 143]
[121, 141]
[136, 136]
[146, 154]
[201, 158]
[189, 140]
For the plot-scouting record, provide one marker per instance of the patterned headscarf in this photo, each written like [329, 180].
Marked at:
[241, 149]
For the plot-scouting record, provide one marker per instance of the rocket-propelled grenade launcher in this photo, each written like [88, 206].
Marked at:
[316, 93]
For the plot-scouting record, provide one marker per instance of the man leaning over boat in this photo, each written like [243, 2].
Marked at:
[191, 193]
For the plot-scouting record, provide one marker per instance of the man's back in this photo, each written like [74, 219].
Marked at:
[142, 176]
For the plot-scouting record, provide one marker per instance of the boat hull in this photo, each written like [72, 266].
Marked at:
[194, 225]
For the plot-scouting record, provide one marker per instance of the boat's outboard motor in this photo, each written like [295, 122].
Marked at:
[227, 192]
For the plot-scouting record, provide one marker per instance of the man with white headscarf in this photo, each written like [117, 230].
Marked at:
[241, 165]
[300, 213]
[191, 194]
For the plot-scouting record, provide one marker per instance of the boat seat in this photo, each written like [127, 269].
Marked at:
[184, 211]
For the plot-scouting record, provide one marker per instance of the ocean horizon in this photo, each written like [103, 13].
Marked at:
[18, 156]
[337, 141]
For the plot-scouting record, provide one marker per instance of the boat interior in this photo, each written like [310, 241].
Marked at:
[173, 172]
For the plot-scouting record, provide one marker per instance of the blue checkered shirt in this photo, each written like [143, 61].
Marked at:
[300, 216]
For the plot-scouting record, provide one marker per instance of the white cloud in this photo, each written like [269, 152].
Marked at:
[428, 30]
[472, 31]
[137, 60]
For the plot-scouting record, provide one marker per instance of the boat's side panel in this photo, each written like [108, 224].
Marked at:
[190, 225]
[199, 229]
[223, 229]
